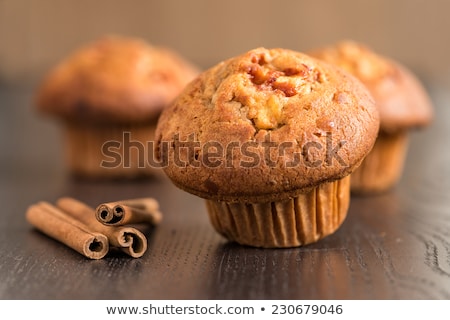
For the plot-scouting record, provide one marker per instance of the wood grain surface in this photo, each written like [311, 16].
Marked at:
[392, 246]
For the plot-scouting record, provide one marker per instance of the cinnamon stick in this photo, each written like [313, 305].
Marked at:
[54, 223]
[128, 239]
[141, 210]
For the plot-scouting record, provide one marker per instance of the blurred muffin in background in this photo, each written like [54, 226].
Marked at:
[108, 95]
[402, 102]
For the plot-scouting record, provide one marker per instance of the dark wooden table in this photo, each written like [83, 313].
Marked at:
[392, 246]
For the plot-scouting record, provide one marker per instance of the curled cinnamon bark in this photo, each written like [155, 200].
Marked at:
[128, 239]
[56, 224]
[117, 213]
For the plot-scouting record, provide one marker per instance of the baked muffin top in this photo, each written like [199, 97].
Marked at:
[114, 78]
[268, 124]
[400, 97]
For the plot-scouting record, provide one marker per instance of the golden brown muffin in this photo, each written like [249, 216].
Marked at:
[269, 138]
[109, 95]
[403, 105]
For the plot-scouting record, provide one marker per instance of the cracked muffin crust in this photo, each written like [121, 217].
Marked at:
[266, 125]
[401, 99]
[114, 78]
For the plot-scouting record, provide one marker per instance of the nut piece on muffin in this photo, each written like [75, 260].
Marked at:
[403, 105]
[269, 139]
[109, 95]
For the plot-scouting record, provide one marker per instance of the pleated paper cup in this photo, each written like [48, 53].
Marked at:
[383, 166]
[289, 223]
[110, 151]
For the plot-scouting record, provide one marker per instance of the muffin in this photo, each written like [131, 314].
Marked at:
[403, 105]
[108, 95]
[268, 139]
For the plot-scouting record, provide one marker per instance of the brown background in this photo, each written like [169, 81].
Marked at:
[34, 34]
[392, 246]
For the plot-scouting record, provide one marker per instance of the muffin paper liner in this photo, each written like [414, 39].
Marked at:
[87, 155]
[382, 167]
[289, 223]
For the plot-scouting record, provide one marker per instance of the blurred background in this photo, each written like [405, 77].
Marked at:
[35, 34]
